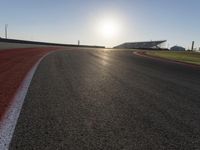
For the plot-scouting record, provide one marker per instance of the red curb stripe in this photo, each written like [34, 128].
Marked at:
[14, 65]
[8, 124]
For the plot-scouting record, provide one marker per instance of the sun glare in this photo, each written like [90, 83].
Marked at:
[108, 28]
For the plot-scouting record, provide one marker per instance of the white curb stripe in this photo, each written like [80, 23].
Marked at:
[7, 126]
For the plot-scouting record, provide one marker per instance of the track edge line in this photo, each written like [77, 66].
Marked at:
[9, 121]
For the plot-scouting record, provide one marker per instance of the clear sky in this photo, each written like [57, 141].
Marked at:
[67, 21]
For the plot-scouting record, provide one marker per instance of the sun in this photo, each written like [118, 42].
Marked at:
[108, 28]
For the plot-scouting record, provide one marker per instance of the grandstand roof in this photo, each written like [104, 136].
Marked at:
[148, 44]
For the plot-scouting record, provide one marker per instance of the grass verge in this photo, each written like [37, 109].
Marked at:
[186, 56]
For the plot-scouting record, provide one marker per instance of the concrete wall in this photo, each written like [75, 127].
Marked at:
[13, 43]
[5, 45]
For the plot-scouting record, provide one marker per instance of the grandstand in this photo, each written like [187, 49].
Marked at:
[143, 45]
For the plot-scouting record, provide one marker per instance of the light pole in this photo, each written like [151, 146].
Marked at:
[6, 31]
[78, 42]
[192, 45]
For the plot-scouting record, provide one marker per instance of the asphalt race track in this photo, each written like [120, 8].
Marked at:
[103, 99]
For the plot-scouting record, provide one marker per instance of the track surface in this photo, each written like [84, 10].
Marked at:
[96, 99]
[14, 65]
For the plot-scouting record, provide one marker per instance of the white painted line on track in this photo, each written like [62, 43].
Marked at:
[9, 121]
